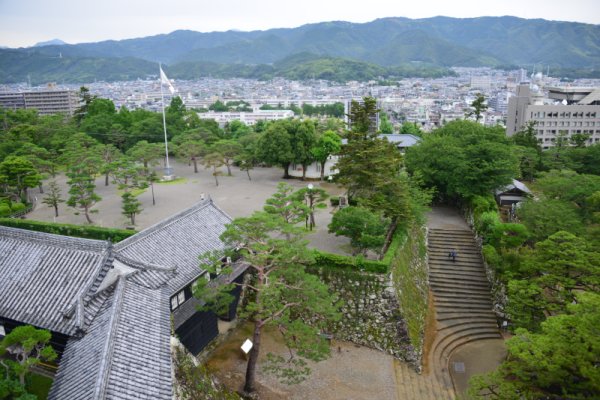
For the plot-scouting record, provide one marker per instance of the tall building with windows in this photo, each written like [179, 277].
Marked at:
[564, 111]
[46, 102]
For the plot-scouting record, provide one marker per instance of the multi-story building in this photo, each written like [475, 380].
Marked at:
[565, 111]
[46, 102]
[248, 118]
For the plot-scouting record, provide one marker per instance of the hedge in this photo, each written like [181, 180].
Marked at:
[82, 231]
[324, 259]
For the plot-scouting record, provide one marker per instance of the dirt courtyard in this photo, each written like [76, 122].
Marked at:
[351, 373]
[236, 195]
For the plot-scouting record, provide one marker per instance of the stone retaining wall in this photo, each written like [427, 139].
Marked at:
[371, 315]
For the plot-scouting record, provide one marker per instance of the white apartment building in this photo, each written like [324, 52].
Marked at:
[568, 110]
[248, 118]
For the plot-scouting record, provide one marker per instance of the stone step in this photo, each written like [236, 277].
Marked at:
[460, 273]
[447, 352]
[455, 231]
[444, 291]
[444, 301]
[444, 316]
[465, 259]
[447, 283]
[453, 295]
[467, 239]
[490, 322]
[441, 307]
[473, 277]
[445, 249]
[439, 241]
[444, 347]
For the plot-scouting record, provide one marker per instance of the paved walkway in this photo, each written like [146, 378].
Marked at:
[236, 195]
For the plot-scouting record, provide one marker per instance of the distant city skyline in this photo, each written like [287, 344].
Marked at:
[27, 22]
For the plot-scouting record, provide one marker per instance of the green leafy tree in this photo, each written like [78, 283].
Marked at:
[53, 198]
[314, 198]
[362, 118]
[192, 150]
[229, 150]
[218, 106]
[282, 294]
[478, 106]
[385, 126]
[214, 161]
[411, 128]
[17, 174]
[85, 98]
[275, 147]
[84, 161]
[236, 130]
[128, 175]
[463, 159]
[579, 139]
[508, 236]
[43, 160]
[109, 155]
[365, 229]
[304, 138]
[545, 217]
[131, 206]
[328, 144]
[29, 346]
[146, 153]
[287, 205]
[558, 362]
[526, 137]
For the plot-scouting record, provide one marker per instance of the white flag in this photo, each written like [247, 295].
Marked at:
[166, 81]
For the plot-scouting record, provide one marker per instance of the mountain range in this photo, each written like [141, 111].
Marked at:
[388, 47]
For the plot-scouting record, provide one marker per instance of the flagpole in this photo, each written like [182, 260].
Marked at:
[168, 170]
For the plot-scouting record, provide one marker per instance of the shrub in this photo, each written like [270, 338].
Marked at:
[335, 201]
[491, 256]
[329, 260]
[5, 210]
[16, 207]
[397, 240]
[486, 222]
[481, 204]
[86, 232]
[508, 236]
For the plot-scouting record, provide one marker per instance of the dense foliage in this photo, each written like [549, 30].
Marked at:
[82, 231]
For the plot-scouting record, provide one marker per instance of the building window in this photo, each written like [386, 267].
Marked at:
[177, 300]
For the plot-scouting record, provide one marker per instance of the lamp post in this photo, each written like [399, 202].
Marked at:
[310, 199]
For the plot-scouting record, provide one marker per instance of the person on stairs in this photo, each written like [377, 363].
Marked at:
[453, 255]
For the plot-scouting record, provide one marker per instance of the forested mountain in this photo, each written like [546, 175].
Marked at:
[388, 42]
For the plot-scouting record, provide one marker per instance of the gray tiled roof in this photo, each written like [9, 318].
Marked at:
[112, 301]
[44, 278]
[178, 241]
[125, 354]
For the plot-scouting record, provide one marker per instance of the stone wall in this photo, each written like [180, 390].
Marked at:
[371, 314]
[410, 277]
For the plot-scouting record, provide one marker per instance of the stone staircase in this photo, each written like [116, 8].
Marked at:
[462, 299]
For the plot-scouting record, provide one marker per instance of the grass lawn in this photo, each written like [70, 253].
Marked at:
[175, 181]
[39, 386]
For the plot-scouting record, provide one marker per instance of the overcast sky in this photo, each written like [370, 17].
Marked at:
[26, 22]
